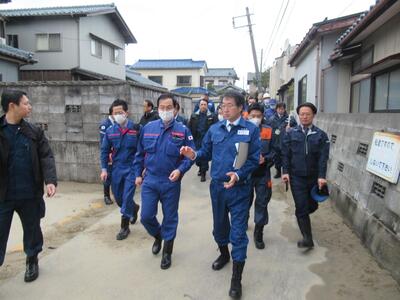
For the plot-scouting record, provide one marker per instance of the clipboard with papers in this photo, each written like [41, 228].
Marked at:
[242, 150]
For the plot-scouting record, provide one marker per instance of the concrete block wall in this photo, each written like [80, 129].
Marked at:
[375, 219]
[74, 135]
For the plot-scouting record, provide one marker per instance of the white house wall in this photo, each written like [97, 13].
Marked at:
[103, 27]
[306, 67]
[169, 77]
[386, 39]
[329, 74]
[27, 29]
[9, 71]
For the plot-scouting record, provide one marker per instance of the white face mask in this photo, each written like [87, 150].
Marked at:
[120, 119]
[166, 115]
[255, 121]
[220, 117]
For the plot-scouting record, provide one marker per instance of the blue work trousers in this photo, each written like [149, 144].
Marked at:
[123, 187]
[262, 188]
[160, 189]
[301, 187]
[233, 202]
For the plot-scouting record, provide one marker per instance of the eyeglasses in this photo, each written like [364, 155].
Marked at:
[228, 106]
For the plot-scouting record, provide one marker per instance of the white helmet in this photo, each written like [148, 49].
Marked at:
[266, 95]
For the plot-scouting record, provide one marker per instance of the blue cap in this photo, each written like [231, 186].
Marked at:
[319, 195]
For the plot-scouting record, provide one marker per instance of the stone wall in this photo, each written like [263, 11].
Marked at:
[375, 217]
[70, 113]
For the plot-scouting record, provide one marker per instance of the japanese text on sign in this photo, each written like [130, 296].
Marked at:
[384, 156]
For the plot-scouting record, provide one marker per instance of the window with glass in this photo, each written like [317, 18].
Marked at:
[387, 91]
[302, 90]
[360, 96]
[184, 80]
[95, 48]
[114, 55]
[157, 79]
[12, 40]
[48, 42]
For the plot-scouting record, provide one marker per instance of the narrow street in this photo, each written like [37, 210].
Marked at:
[82, 259]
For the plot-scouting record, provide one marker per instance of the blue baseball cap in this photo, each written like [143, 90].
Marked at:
[319, 195]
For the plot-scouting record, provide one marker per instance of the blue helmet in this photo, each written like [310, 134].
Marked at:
[319, 195]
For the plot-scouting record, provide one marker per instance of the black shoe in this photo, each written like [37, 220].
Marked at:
[135, 213]
[223, 259]
[235, 291]
[305, 228]
[124, 232]
[157, 244]
[107, 200]
[203, 177]
[166, 254]
[32, 269]
[278, 174]
[258, 236]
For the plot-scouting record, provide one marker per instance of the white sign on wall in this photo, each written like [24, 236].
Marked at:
[384, 156]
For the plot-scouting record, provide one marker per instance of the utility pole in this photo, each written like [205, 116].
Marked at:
[253, 47]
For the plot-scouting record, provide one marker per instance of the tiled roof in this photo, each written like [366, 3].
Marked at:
[83, 10]
[324, 26]
[137, 77]
[16, 53]
[193, 90]
[57, 11]
[168, 64]
[221, 72]
[364, 20]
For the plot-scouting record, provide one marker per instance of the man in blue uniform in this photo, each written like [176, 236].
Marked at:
[158, 154]
[280, 122]
[122, 139]
[26, 164]
[305, 153]
[261, 177]
[107, 183]
[200, 122]
[233, 145]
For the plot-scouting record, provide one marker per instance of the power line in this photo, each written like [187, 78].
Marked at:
[276, 21]
[280, 22]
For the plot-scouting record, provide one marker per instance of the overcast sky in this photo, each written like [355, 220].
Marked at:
[202, 29]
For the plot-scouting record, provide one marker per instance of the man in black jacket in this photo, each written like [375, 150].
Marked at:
[149, 113]
[26, 162]
[199, 123]
[305, 153]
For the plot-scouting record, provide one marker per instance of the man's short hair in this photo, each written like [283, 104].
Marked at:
[177, 106]
[119, 102]
[281, 105]
[238, 97]
[204, 101]
[11, 96]
[149, 103]
[167, 96]
[307, 104]
[256, 106]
